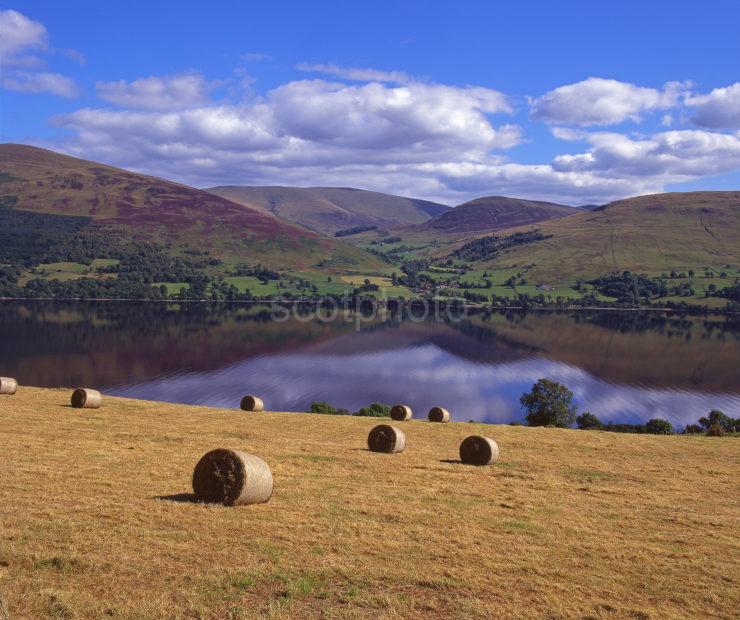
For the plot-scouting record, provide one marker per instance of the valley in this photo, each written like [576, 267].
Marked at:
[78, 229]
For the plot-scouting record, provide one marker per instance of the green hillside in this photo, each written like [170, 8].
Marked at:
[59, 210]
[652, 234]
[687, 246]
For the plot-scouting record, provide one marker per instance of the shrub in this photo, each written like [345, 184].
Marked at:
[715, 430]
[589, 422]
[658, 426]
[319, 406]
[693, 429]
[376, 410]
[549, 402]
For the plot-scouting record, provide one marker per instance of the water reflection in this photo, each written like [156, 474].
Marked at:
[622, 367]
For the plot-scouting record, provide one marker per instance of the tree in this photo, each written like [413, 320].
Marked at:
[693, 429]
[549, 403]
[658, 426]
[589, 422]
[719, 418]
[375, 410]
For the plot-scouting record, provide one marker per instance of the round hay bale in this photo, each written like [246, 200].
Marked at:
[252, 403]
[715, 430]
[400, 413]
[232, 478]
[83, 398]
[478, 450]
[8, 385]
[385, 438]
[437, 414]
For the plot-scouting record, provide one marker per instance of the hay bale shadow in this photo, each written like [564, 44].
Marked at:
[180, 498]
[451, 461]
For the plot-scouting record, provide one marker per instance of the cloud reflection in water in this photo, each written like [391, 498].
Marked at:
[422, 376]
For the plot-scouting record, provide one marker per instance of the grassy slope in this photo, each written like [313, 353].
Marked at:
[567, 524]
[328, 209]
[647, 234]
[495, 213]
[49, 182]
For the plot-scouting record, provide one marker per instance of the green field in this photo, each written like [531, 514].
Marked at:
[173, 288]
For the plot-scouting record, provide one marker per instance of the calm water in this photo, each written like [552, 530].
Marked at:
[626, 367]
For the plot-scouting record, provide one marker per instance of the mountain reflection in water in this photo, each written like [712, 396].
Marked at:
[626, 367]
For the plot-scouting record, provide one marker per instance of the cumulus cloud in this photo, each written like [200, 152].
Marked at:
[356, 74]
[41, 82]
[20, 38]
[157, 92]
[310, 125]
[669, 156]
[720, 109]
[423, 139]
[598, 101]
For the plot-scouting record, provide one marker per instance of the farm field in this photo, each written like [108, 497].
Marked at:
[95, 506]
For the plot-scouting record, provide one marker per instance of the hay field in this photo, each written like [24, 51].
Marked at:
[96, 520]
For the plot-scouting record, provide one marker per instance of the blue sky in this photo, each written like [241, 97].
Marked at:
[576, 102]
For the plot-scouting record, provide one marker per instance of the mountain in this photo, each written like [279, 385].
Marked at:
[330, 209]
[495, 213]
[650, 234]
[35, 180]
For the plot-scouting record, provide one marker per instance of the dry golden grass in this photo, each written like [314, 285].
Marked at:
[567, 524]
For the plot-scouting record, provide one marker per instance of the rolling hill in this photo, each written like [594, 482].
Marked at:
[329, 209]
[38, 181]
[494, 213]
[650, 234]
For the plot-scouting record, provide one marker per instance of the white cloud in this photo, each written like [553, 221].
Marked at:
[42, 82]
[356, 74]
[427, 140]
[20, 37]
[374, 116]
[568, 134]
[667, 157]
[170, 92]
[598, 101]
[720, 109]
[314, 122]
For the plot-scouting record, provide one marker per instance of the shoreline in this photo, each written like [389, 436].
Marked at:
[690, 310]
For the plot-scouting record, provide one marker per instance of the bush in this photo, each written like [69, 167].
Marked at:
[376, 410]
[715, 430]
[589, 422]
[658, 426]
[549, 402]
[319, 406]
[693, 429]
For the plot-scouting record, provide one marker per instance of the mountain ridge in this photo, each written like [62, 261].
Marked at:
[43, 181]
[330, 209]
[496, 213]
